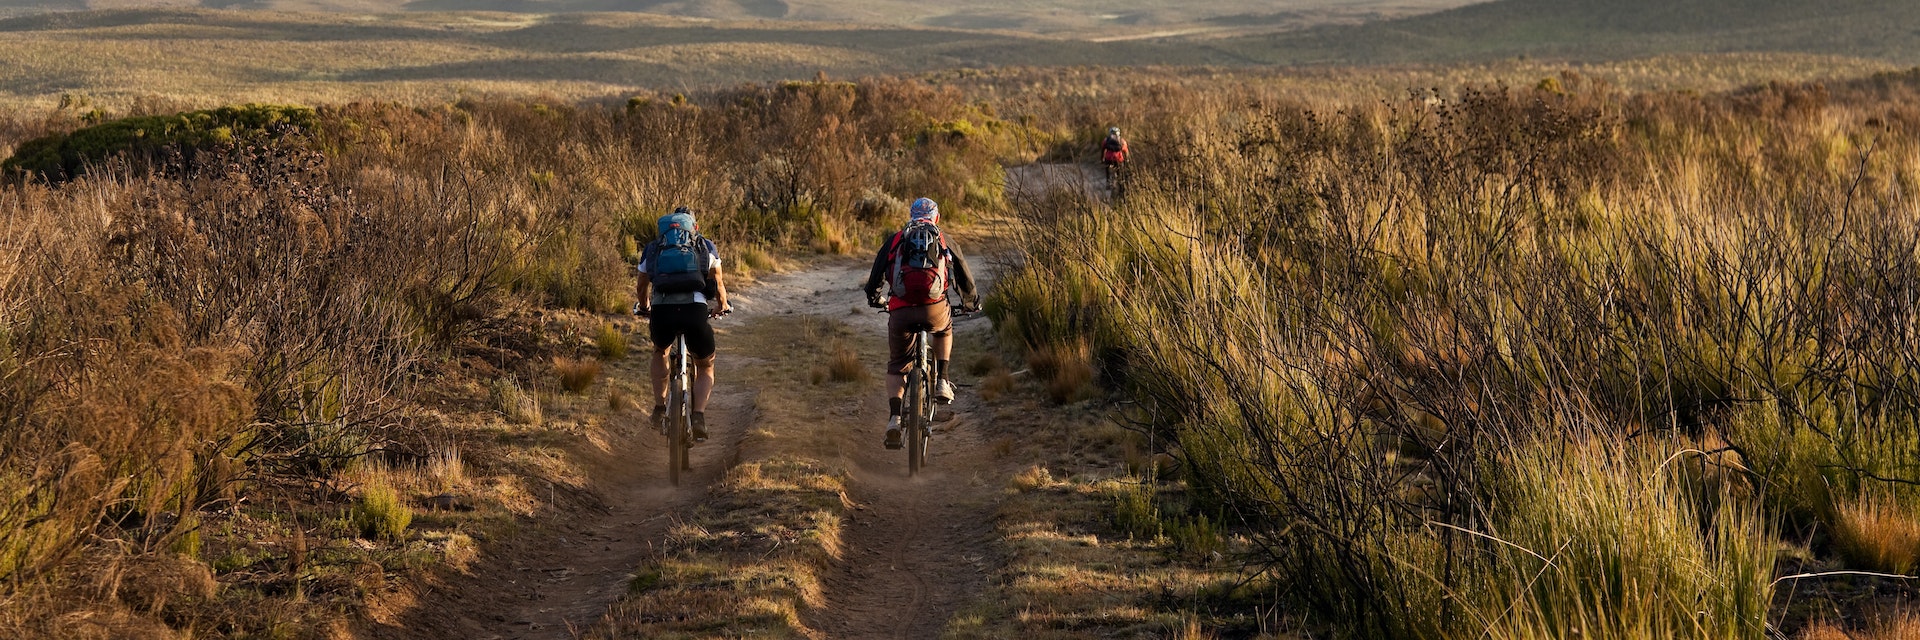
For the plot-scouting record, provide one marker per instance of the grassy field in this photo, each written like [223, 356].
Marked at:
[1522, 361]
[1598, 29]
[202, 58]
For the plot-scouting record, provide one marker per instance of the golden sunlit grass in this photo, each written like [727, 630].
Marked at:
[1877, 533]
[611, 342]
[577, 375]
[1072, 575]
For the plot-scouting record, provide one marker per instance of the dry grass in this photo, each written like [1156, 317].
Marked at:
[1357, 330]
[1900, 625]
[518, 405]
[755, 555]
[577, 375]
[845, 365]
[1064, 370]
[1070, 575]
[1877, 533]
[611, 342]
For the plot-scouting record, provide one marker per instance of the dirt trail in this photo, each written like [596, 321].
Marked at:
[916, 549]
[558, 580]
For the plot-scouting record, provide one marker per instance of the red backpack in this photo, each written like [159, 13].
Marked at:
[919, 265]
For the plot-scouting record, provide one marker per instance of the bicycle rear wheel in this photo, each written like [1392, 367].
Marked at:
[913, 425]
[677, 412]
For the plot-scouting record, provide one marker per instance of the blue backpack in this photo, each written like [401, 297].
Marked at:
[679, 259]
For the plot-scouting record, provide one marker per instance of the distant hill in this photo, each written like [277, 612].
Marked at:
[1080, 18]
[1605, 29]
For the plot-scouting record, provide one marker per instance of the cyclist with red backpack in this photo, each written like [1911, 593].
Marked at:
[918, 265]
[680, 291]
[1113, 150]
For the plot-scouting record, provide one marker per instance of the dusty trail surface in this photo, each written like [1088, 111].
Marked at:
[554, 581]
[916, 548]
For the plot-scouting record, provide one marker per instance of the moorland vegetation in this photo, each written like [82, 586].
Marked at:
[1489, 361]
[1555, 361]
[218, 348]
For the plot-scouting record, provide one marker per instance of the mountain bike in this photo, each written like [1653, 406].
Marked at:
[917, 415]
[679, 416]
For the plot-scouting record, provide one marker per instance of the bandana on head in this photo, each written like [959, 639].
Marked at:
[925, 211]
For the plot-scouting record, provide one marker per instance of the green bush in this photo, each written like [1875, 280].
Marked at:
[69, 155]
[611, 341]
[380, 514]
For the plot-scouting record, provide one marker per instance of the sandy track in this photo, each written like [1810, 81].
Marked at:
[916, 549]
[561, 576]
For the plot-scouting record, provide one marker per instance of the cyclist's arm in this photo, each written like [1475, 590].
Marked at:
[720, 288]
[642, 287]
[963, 278]
[878, 275]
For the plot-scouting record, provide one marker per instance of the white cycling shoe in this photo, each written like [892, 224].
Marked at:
[943, 392]
[893, 432]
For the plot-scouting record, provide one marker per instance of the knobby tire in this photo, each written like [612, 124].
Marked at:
[678, 417]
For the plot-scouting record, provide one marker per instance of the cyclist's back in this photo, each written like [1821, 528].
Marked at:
[680, 291]
[918, 265]
[1113, 150]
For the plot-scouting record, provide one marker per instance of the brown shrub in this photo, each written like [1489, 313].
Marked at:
[1879, 534]
[1066, 371]
[998, 384]
[845, 365]
[577, 375]
[150, 583]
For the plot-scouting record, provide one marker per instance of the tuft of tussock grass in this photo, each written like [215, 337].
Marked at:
[445, 468]
[611, 341]
[1136, 510]
[758, 259]
[1065, 370]
[985, 365]
[518, 405]
[997, 384]
[844, 365]
[1033, 478]
[379, 514]
[576, 375]
[619, 402]
[1877, 533]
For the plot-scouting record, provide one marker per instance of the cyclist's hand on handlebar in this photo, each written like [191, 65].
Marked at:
[640, 309]
[721, 310]
[876, 301]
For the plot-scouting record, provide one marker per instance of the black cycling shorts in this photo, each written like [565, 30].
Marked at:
[671, 321]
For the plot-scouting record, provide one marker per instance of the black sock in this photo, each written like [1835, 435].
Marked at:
[659, 409]
[699, 415]
[939, 369]
[893, 407]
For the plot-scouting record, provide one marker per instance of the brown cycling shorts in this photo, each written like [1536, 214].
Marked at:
[904, 322]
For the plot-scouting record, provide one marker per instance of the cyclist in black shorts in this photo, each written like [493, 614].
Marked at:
[674, 308]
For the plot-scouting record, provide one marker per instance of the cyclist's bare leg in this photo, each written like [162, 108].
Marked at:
[896, 385]
[660, 376]
[702, 383]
